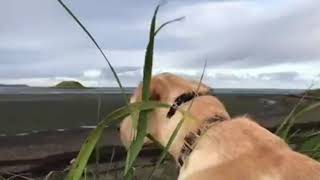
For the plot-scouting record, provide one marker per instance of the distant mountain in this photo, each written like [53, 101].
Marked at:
[69, 85]
[13, 85]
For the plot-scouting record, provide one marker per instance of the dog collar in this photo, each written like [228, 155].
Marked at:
[191, 138]
[183, 98]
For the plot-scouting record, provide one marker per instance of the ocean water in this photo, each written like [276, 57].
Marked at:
[35, 109]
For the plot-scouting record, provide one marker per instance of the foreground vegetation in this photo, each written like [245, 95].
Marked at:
[313, 92]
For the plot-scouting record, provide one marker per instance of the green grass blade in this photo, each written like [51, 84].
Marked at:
[283, 128]
[80, 163]
[166, 148]
[155, 141]
[284, 131]
[167, 23]
[147, 70]
[86, 150]
[177, 128]
[307, 109]
[138, 142]
[130, 174]
[311, 146]
[98, 47]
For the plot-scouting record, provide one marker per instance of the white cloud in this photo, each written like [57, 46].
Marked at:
[92, 73]
[250, 33]
[240, 40]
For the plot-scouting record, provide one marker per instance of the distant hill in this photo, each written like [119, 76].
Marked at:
[13, 85]
[69, 85]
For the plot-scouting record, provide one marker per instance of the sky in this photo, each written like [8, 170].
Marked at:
[246, 43]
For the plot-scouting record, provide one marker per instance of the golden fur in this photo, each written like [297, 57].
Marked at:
[235, 149]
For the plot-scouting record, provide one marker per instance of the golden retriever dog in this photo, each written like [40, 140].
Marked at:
[212, 146]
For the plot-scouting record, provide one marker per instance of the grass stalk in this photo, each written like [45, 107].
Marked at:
[176, 130]
[80, 163]
[142, 123]
[284, 128]
[97, 46]
[138, 142]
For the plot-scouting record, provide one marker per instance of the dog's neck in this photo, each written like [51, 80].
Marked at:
[190, 140]
[190, 130]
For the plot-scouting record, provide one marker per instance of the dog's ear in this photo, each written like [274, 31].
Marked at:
[155, 95]
[158, 90]
[178, 85]
[165, 87]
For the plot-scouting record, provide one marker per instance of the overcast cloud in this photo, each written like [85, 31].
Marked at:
[247, 43]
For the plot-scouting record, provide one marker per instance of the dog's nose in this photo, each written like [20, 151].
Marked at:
[118, 129]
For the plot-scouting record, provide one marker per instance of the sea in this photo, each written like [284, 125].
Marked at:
[33, 109]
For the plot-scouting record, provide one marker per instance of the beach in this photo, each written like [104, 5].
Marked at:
[42, 129]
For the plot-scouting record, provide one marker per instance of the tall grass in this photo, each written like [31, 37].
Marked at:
[86, 150]
[141, 131]
[309, 143]
[176, 130]
[287, 123]
[138, 142]
[140, 110]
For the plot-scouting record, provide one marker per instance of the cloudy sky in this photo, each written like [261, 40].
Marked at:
[247, 43]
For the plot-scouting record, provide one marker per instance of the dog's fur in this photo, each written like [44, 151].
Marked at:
[235, 149]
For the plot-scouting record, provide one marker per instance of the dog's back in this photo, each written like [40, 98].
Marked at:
[240, 149]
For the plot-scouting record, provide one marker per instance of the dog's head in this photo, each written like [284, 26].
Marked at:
[164, 87]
